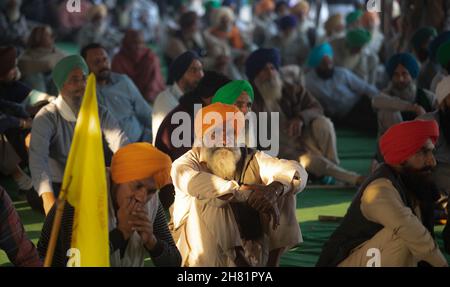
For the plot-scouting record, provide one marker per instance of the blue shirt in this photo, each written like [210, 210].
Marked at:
[340, 93]
[123, 100]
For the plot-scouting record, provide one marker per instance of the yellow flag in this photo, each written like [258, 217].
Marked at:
[85, 184]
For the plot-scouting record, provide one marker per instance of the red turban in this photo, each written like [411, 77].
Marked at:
[403, 140]
[139, 161]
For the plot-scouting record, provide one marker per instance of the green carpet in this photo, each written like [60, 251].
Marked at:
[355, 150]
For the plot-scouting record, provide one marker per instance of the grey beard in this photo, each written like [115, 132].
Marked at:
[222, 162]
[271, 91]
[407, 93]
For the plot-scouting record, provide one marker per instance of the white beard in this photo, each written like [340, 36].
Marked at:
[271, 90]
[222, 161]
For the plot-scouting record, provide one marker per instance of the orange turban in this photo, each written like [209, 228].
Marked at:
[368, 18]
[206, 120]
[138, 161]
[264, 6]
[403, 140]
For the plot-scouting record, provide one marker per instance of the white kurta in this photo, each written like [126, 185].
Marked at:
[206, 232]
[165, 102]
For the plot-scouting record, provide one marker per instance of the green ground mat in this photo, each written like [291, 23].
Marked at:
[356, 151]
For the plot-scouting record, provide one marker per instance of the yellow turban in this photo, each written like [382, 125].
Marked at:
[138, 161]
[205, 120]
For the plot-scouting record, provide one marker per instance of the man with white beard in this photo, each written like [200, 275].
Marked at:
[98, 30]
[234, 206]
[306, 135]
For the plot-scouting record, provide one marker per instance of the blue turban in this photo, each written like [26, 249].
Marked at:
[287, 22]
[316, 55]
[406, 60]
[259, 59]
[180, 65]
[437, 42]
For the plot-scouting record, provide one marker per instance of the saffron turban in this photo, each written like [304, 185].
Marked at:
[229, 93]
[443, 89]
[406, 60]
[180, 65]
[217, 115]
[63, 68]
[403, 140]
[317, 54]
[259, 59]
[139, 161]
[357, 38]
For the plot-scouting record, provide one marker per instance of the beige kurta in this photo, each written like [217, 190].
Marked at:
[403, 241]
[206, 232]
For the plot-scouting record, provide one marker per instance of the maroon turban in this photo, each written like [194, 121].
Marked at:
[403, 140]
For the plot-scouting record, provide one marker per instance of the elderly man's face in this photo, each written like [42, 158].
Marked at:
[401, 78]
[98, 63]
[225, 24]
[192, 76]
[423, 161]
[137, 192]
[268, 73]
[75, 84]
[244, 103]
[222, 161]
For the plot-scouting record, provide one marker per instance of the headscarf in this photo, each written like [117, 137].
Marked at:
[139, 161]
[65, 66]
[229, 93]
[403, 140]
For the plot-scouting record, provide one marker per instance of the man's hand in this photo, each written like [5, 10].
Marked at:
[26, 124]
[48, 199]
[141, 223]
[295, 127]
[264, 199]
[124, 218]
[419, 110]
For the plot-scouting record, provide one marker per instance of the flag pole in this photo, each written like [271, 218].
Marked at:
[56, 226]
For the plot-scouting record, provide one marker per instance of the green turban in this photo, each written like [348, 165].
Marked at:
[65, 66]
[353, 17]
[422, 35]
[443, 54]
[356, 38]
[229, 93]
